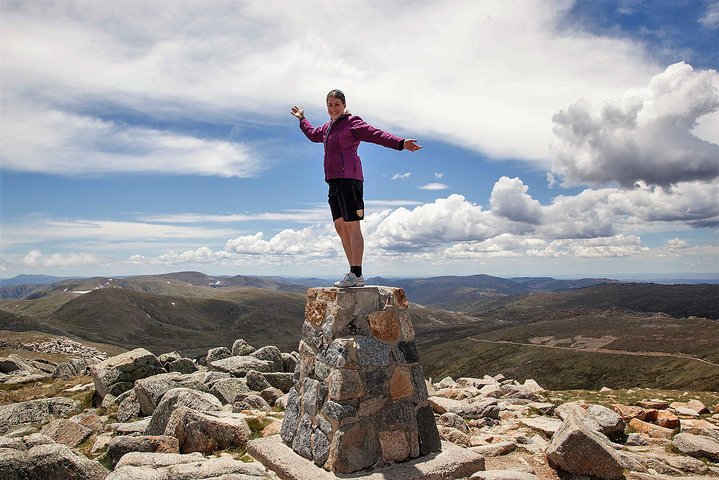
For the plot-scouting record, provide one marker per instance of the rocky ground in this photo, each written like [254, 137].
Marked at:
[139, 416]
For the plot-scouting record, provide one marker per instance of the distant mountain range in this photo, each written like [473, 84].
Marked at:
[583, 333]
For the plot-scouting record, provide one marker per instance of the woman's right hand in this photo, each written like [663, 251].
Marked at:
[298, 112]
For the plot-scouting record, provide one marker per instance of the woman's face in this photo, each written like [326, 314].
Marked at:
[335, 107]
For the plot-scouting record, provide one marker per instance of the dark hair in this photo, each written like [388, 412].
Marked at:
[336, 93]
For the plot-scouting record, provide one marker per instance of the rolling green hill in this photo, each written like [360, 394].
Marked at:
[609, 334]
[163, 323]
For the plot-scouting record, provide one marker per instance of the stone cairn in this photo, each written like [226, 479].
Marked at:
[360, 398]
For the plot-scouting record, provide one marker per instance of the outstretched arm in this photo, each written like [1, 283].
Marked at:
[367, 133]
[312, 133]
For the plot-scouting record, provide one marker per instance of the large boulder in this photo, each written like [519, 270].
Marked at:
[581, 450]
[71, 368]
[217, 353]
[180, 397]
[67, 432]
[49, 462]
[164, 466]
[256, 382]
[486, 408]
[250, 402]
[282, 380]
[271, 354]
[697, 446]
[227, 389]
[207, 432]
[122, 445]
[241, 348]
[150, 390]
[239, 366]
[128, 406]
[36, 411]
[118, 374]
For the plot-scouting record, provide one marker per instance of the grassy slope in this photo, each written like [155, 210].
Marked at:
[142, 314]
[162, 323]
[564, 369]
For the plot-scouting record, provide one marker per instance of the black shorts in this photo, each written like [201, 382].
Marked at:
[345, 199]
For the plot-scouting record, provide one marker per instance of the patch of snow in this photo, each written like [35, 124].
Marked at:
[173, 303]
[81, 292]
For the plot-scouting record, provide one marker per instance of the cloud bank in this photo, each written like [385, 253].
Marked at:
[63, 71]
[644, 136]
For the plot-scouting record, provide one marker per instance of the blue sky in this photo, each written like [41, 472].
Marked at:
[560, 138]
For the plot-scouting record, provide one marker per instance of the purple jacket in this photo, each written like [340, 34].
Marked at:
[341, 140]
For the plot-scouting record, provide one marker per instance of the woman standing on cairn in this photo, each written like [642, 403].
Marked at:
[341, 137]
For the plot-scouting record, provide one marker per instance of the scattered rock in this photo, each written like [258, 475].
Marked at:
[166, 466]
[100, 444]
[36, 411]
[227, 389]
[150, 390]
[239, 366]
[629, 412]
[667, 419]
[548, 426]
[281, 380]
[70, 369]
[218, 353]
[129, 406]
[487, 408]
[183, 365]
[50, 462]
[653, 431]
[697, 446]
[698, 406]
[504, 475]
[452, 435]
[117, 374]
[636, 440]
[683, 408]
[453, 420]
[271, 354]
[495, 449]
[122, 445]
[66, 432]
[700, 427]
[579, 450]
[653, 404]
[180, 397]
[241, 348]
[251, 402]
[256, 382]
[131, 428]
[207, 432]
[609, 421]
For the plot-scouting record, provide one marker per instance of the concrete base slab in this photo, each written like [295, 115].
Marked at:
[452, 462]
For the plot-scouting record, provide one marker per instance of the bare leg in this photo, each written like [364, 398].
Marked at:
[357, 242]
[352, 240]
[345, 238]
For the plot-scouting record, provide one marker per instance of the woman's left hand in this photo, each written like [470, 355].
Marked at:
[411, 145]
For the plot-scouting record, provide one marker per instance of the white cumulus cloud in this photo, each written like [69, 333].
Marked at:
[401, 176]
[644, 136]
[218, 61]
[510, 200]
[35, 258]
[58, 142]
[434, 186]
[710, 19]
